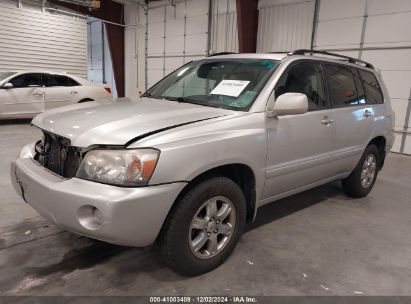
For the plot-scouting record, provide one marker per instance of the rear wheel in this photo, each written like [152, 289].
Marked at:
[204, 227]
[362, 179]
[85, 100]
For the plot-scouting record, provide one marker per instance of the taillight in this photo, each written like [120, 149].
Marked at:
[108, 89]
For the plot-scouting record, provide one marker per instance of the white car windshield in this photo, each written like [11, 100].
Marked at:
[224, 83]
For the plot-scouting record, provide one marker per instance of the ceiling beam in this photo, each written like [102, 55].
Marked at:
[109, 10]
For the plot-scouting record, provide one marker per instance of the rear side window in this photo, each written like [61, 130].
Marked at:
[305, 78]
[341, 86]
[72, 82]
[372, 88]
[26, 81]
[60, 81]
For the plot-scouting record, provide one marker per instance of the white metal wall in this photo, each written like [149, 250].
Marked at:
[224, 32]
[377, 31]
[284, 25]
[33, 39]
[176, 34]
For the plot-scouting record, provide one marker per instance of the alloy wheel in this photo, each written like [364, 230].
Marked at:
[368, 170]
[212, 227]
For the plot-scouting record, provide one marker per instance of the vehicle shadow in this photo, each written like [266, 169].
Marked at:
[276, 210]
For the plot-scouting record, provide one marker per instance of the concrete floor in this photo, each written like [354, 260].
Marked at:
[316, 243]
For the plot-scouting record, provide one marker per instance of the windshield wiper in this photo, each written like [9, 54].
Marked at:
[212, 104]
[180, 99]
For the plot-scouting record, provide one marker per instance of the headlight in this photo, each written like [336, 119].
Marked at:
[119, 167]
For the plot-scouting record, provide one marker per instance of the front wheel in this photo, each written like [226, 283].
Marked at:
[204, 227]
[362, 179]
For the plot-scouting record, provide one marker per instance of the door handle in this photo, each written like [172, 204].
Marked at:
[38, 94]
[327, 121]
[73, 92]
[367, 113]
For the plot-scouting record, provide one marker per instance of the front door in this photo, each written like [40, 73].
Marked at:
[300, 147]
[25, 98]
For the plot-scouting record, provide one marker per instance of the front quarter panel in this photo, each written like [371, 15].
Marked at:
[189, 151]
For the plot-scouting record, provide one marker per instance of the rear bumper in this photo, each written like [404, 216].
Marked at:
[130, 216]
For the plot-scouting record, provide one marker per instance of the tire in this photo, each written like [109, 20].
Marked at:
[178, 241]
[353, 185]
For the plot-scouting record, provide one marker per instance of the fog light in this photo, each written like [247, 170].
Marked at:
[90, 217]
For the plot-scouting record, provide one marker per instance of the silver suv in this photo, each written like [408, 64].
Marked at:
[187, 164]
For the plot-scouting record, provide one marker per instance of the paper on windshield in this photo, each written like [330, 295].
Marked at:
[230, 87]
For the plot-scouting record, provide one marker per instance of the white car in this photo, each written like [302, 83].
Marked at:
[25, 94]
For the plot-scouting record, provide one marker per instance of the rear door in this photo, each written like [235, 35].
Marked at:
[61, 90]
[25, 98]
[300, 147]
[352, 115]
[375, 99]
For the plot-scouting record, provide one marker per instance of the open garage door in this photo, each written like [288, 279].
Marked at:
[176, 34]
[35, 39]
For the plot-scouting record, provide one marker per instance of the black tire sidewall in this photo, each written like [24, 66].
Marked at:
[183, 260]
[352, 185]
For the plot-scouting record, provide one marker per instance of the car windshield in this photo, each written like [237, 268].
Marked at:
[4, 75]
[224, 83]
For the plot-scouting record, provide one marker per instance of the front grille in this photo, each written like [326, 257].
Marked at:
[57, 155]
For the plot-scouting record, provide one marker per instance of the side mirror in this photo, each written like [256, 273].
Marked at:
[287, 104]
[8, 85]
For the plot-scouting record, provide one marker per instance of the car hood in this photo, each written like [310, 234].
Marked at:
[119, 121]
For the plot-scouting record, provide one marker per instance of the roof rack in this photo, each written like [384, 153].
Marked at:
[222, 53]
[349, 59]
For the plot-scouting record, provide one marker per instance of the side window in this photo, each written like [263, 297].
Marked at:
[341, 86]
[305, 78]
[26, 81]
[60, 81]
[372, 88]
[72, 82]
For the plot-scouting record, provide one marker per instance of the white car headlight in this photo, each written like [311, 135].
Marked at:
[132, 167]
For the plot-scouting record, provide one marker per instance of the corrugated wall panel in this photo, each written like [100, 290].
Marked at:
[32, 39]
[284, 26]
[224, 33]
[376, 31]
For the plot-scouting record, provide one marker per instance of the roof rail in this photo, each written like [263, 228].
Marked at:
[222, 53]
[349, 59]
